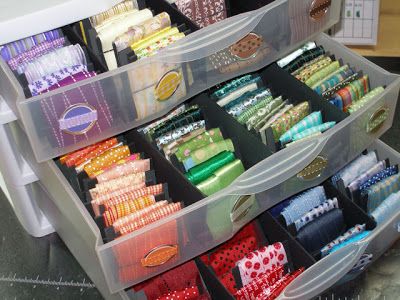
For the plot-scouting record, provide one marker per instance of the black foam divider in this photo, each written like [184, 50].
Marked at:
[271, 232]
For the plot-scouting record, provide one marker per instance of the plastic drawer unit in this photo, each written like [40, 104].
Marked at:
[272, 177]
[18, 181]
[185, 69]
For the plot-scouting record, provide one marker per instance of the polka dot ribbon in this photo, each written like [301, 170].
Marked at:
[259, 262]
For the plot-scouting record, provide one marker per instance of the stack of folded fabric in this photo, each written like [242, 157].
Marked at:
[275, 119]
[206, 158]
[318, 222]
[183, 282]
[374, 185]
[138, 30]
[47, 61]
[249, 271]
[119, 185]
[338, 83]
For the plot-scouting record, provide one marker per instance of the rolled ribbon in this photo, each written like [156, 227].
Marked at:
[221, 178]
[309, 71]
[172, 147]
[249, 112]
[180, 109]
[289, 119]
[365, 99]
[314, 119]
[142, 44]
[380, 191]
[355, 230]
[250, 87]
[205, 153]
[106, 159]
[211, 136]
[389, 171]
[269, 119]
[353, 239]
[315, 235]
[302, 203]
[320, 128]
[329, 93]
[231, 86]
[332, 67]
[125, 169]
[256, 114]
[375, 169]
[159, 45]
[177, 133]
[135, 33]
[236, 110]
[307, 64]
[304, 58]
[355, 168]
[292, 56]
[389, 207]
[316, 212]
[206, 169]
[244, 97]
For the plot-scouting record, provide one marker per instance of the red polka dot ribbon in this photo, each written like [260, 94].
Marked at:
[258, 285]
[186, 294]
[259, 262]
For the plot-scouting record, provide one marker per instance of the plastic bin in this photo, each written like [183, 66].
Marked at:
[190, 66]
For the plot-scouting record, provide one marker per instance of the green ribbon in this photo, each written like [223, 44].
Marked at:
[322, 73]
[205, 153]
[221, 178]
[206, 169]
[211, 136]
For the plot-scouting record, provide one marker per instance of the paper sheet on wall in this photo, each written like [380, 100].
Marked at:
[358, 24]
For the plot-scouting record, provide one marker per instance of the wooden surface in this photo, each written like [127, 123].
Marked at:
[388, 33]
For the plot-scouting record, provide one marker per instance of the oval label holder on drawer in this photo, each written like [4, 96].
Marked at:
[319, 8]
[78, 119]
[167, 85]
[242, 207]
[314, 169]
[247, 47]
[377, 119]
[159, 255]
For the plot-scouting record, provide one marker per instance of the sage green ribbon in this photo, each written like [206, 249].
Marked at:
[262, 112]
[205, 153]
[203, 171]
[221, 178]
[245, 115]
[260, 123]
[322, 73]
[364, 100]
[208, 137]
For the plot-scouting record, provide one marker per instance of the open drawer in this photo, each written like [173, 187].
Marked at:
[89, 111]
[333, 267]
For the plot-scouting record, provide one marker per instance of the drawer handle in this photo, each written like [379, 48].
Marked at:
[167, 85]
[377, 119]
[248, 47]
[159, 255]
[319, 9]
[242, 207]
[314, 169]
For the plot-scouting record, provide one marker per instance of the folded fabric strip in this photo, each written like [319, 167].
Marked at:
[261, 261]
[351, 240]
[307, 64]
[332, 67]
[177, 133]
[302, 203]
[387, 209]
[380, 191]
[329, 93]
[205, 153]
[250, 87]
[389, 171]
[236, 110]
[211, 136]
[309, 71]
[268, 104]
[375, 169]
[289, 119]
[244, 97]
[365, 99]
[316, 212]
[311, 120]
[355, 168]
[316, 129]
[331, 81]
[357, 229]
[231, 86]
[315, 235]
[253, 118]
